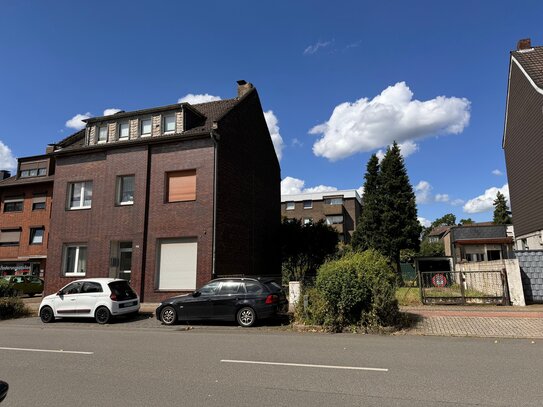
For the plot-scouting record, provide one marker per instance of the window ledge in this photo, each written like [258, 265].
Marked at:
[79, 208]
[74, 274]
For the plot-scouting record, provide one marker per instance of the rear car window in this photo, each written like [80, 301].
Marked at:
[253, 287]
[91, 287]
[122, 290]
[230, 287]
[273, 286]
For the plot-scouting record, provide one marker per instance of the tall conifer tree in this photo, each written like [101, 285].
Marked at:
[367, 233]
[400, 228]
[501, 210]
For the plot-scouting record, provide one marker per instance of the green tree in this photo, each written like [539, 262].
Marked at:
[431, 249]
[501, 210]
[400, 228]
[369, 222]
[467, 221]
[305, 247]
[448, 219]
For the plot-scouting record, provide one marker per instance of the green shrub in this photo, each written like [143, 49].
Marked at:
[356, 289]
[5, 291]
[12, 307]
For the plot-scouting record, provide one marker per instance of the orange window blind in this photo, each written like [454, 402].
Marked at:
[182, 186]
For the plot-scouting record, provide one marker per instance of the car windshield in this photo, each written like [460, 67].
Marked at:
[122, 290]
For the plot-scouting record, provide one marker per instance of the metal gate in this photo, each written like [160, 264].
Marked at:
[463, 287]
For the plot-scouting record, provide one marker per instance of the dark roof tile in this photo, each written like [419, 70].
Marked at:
[532, 61]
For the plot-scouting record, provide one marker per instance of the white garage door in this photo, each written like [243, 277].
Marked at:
[177, 265]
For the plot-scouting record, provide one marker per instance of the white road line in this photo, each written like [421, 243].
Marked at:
[252, 362]
[49, 351]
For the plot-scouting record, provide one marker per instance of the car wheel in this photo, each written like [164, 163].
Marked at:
[102, 315]
[47, 315]
[168, 316]
[246, 317]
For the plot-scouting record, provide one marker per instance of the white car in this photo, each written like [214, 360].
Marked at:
[98, 298]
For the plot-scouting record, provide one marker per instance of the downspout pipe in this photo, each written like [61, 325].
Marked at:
[215, 137]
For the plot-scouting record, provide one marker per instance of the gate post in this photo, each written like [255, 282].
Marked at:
[505, 286]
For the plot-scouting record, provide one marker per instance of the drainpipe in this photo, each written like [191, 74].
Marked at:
[145, 225]
[215, 137]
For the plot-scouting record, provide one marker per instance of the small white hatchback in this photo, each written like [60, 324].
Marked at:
[98, 298]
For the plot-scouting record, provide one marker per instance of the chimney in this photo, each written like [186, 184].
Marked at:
[4, 174]
[244, 87]
[524, 44]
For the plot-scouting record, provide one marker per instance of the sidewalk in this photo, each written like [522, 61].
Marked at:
[477, 321]
[486, 321]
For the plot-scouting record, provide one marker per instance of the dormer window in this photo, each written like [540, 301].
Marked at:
[124, 131]
[145, 127]
[169, 123]
[102, 134]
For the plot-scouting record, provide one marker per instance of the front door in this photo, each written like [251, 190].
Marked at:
[66, 301]
[199, 306]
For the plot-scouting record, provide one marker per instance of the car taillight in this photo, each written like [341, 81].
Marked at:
[272, 299]
[113, 297]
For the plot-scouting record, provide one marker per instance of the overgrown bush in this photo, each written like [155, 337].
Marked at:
[10, 307]
[356, 290]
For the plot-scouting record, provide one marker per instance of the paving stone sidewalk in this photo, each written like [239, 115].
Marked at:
[477, 321]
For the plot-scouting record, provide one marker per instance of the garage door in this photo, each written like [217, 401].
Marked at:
[177, 264]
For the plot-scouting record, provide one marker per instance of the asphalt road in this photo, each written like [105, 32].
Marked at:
[149, 365]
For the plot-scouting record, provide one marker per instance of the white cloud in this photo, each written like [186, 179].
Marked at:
[406, 149]
[457, 202]
[441, 198]
[271, 121]
[484, 202]
[76, 122]
[310, 50]
[110, 111]
[295, 142]
[7, 161]
[497, 172]
[291, 185]
[423, 192]
[424, 222]
[393, 115]
[200, 98]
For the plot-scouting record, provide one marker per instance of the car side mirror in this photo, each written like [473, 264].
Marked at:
[196, 293]
[60, 292]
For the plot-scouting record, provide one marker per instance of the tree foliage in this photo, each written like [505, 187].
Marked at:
[367, 233]
[467, 221]
[400, 228]
[501, 210]
[305, 247]
[431, 249]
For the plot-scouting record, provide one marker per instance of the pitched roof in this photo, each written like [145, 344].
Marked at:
[531, 60]
[211, 111]
[437, 231]
[11, 181]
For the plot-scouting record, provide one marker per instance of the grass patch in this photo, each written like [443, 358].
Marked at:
[408, 296]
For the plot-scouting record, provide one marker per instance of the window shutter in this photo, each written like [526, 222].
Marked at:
[10, 236]
[182, 186]
[39, 199]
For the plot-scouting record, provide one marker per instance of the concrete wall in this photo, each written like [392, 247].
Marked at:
[485, 283]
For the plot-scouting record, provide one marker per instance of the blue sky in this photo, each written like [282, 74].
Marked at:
[337, 81]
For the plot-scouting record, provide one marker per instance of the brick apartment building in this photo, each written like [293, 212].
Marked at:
[26, 201]
[340, 209]
[168, 197]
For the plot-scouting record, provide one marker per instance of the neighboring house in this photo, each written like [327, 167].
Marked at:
[340, 209]
[437, 233]
[167, 197]
[24, 219]
[478, 242]
[523, 143]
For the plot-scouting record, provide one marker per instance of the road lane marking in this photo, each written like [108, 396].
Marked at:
[253, 362]
[49, 351]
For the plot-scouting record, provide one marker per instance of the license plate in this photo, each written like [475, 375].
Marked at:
[128, 304]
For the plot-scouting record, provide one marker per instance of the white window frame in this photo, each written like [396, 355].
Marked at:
[290, 205]
[164, 117]
[98, 139]
[76, 259]
[84, 186]
[119, 126]
[310, 204]
[142, 134]
[119, 194]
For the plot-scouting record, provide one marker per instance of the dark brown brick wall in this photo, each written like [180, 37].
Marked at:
[523, 148]
[192, 219]
[25, 220]
[248, 194]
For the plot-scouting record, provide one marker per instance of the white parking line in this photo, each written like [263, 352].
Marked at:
[49, 351]
[253, 362]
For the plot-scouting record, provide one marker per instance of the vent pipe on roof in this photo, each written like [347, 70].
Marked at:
[244, 87]
[525, 43]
